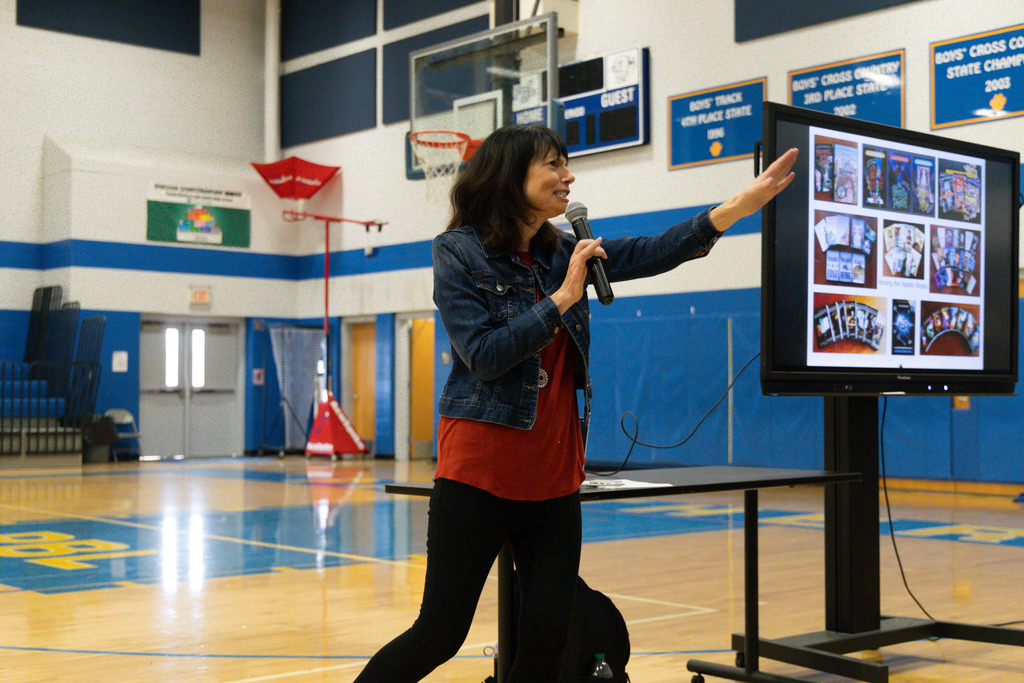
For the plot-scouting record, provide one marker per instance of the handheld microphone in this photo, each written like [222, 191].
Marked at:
[576, 212]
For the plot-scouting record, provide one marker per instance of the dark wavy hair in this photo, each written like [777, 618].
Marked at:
[489, 193]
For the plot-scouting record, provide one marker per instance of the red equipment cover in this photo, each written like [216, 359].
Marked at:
[332, 432]
[295, 178]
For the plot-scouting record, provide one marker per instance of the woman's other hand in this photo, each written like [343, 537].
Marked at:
[771, 182]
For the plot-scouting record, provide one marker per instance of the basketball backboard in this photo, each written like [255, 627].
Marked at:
[486, 80]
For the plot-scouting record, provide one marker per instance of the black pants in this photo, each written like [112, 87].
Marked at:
[465, 530]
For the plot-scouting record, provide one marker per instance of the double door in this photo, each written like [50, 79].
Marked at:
[190, 393]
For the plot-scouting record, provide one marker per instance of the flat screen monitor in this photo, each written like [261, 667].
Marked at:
[889, 266]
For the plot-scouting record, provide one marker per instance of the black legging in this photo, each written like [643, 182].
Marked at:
[466, 528]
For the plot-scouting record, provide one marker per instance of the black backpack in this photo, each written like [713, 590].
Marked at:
[596, 627]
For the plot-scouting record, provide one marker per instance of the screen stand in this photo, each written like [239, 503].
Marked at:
[851, 515]
[852, 585]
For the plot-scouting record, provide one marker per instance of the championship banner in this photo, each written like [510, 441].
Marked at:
[978, 78]
[197, 215]
[867, 88]
[717, 124]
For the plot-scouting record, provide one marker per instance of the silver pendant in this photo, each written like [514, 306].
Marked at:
[543, 379]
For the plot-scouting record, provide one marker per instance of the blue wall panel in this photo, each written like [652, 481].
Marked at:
[1000, 421]
[442, 369]
[401, 12]
[664, 358]
[652, 365]
[120, 333]
[329, 99]
[308, 26]
[384, 389]
[965, 463]
[917, 436]
[661, 357]
[14, 333]
[1000, 454]
[264, 418]
[757, 19]
[395, 85]
[162, 24]
[653, 222]
[776, 431]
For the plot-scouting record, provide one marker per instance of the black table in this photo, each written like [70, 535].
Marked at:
[669, 482]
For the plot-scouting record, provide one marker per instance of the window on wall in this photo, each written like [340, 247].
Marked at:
[198, 358]
[171, 354]
[172, 358]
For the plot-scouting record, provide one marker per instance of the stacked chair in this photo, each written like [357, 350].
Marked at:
[48, 398]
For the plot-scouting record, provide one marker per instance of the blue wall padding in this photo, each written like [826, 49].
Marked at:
[1000, 424]
[401, 12]
[669, 364]
[329, 99]
[162, 24]
[309, 26]
[384, 387]
[780, 431]
[757, 19]
[14, 334]
[654, 222]
[121, 332]
[964, 461]
[263, 427]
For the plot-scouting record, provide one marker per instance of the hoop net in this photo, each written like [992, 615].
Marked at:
[439, 153]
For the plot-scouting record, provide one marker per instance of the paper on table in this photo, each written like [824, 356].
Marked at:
[621, 484]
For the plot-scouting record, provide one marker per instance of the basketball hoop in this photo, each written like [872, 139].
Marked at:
[440, 153]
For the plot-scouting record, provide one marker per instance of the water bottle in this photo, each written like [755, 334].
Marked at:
[601, 671]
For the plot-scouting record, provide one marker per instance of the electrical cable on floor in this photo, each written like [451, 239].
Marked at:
[888, 509]
[636, 427]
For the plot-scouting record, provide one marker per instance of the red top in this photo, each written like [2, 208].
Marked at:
[536, 464]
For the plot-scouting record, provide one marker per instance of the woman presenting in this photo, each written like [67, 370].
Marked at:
[509, 287]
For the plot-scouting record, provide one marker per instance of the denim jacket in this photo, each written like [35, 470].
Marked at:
[488, 306]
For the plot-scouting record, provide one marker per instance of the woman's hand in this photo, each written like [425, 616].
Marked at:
[571, 290]
[772, 181]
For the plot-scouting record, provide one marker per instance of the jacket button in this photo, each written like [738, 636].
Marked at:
[579, 327]
[500, 287]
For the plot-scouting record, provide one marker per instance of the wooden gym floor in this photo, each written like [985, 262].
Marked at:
[296, 570]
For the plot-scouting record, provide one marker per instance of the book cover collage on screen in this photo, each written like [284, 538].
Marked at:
[896, 267]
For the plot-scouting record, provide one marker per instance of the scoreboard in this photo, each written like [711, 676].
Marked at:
[606, 102]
